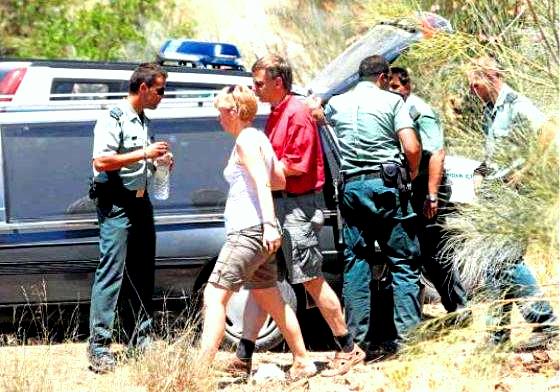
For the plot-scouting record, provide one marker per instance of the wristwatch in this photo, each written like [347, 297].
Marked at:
[432, 198]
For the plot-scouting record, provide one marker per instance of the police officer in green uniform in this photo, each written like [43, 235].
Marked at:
[430, 195]
[123, 152]
[504, 111]
[371, 125]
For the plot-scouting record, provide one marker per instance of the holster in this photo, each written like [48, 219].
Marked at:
[395, 175]
[111, 189]
[93, 189]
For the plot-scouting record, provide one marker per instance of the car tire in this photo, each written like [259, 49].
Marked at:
[269, 336]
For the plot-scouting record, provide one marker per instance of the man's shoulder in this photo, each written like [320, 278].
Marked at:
[297, 110]
[415, 103]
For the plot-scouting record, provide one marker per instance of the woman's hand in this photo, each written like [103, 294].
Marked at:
[272, 239]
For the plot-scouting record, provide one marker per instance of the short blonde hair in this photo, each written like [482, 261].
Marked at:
[486, 66]
[240, 98]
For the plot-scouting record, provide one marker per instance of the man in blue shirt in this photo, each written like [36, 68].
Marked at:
[371, 124]
[504, 111]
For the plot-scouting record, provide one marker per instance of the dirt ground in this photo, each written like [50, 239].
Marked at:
[456, 360]
[64, 367]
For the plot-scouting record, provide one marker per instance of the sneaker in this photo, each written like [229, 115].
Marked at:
[342, 362]
[298, 372]
[537, 341]
[101, 363]
[238, 368]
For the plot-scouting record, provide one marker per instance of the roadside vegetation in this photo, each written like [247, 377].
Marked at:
[90, 30]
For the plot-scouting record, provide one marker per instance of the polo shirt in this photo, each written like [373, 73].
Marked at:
[107, 140]
[294, 136]
[428, 129]
[366, 121]
[510, 110]
[426, 123]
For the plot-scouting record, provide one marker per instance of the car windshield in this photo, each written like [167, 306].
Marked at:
[342, 73]
[208, 49]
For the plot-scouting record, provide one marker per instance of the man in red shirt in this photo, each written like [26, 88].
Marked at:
[295, 139]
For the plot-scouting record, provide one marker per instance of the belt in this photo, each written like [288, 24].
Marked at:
[283, 194]
[363, 176]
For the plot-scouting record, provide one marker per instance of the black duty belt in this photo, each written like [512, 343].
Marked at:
[282, 194]
[369, 175]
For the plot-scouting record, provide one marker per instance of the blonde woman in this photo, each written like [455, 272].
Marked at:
[253, 235]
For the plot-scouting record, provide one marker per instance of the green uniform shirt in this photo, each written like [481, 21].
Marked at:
[510, 110]
[426, 123]
[120, 130]
[366, 121]
[428, 129]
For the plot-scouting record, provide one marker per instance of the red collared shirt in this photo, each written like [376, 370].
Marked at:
[295, 139]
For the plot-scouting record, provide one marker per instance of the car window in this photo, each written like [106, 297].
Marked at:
[201, 150]
[46, 169]
[191, 90]
[48, 166]
[84, 89]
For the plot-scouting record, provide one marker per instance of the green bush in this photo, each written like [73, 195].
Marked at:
[106, 30]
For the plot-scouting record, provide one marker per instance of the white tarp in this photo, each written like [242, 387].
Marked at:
[460, 175]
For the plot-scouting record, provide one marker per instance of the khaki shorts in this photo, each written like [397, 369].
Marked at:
[244, 262]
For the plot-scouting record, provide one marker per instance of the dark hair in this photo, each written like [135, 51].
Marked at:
[402, 74]
[373, 66]
[275, 66]
[145, 73]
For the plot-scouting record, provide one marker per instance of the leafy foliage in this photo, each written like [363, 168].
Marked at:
[103, 30]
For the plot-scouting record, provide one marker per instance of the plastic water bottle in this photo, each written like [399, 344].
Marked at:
[161, 180]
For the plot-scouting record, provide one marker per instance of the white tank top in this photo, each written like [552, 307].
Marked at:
[242, 205]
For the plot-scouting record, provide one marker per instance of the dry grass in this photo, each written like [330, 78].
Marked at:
[444, 360]
[174, 366]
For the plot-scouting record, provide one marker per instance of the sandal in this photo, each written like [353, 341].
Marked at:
[298, 373]
[342, 362]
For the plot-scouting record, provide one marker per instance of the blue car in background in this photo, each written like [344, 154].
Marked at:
[200, 54]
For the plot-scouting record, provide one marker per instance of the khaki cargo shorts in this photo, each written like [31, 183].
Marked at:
[244, 262]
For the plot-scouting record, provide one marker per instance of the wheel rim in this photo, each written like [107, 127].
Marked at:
[234, 316]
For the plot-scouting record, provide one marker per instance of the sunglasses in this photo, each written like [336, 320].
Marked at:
[160, 91]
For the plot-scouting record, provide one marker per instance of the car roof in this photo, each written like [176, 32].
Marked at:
[111, 65]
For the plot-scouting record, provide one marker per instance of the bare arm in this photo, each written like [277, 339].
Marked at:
[288, 171]
[435, 173]
[277, 176]
[250, 156]
[411, 148]
[116, 161]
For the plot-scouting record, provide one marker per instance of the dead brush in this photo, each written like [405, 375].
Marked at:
[174, 365]
[27, 370]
